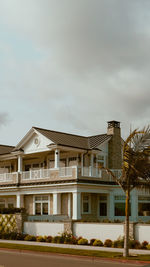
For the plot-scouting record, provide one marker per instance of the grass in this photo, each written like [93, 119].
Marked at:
[69, 251]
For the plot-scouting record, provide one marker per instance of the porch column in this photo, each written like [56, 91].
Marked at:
[96, 165]
[82, 171]
[76, 206]
[69, 205]
[56, 203]
[134, 206]
[19, 163]
[57, 157]
[18, 201]
[91, 164]
[111, 207]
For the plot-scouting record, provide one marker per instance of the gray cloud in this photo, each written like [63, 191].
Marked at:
[93, 62]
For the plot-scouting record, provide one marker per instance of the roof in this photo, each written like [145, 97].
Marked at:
[73, 140]
[4, 149]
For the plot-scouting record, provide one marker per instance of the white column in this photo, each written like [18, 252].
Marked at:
[76, 206]
[18, 201]
[82, 171]
[69, 205]
[134, 206]
[56, 203]
[19, 163]
[57, 157]
[91, 165]
[111, 207]
[96, 165]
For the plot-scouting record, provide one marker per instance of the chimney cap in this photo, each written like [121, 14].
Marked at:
[113, 124]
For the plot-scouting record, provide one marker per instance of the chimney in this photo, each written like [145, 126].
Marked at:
[114, 145]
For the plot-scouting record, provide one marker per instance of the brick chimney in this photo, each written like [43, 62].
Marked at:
[114, 145]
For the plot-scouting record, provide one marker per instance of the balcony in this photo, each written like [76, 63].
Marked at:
[9, 178]
[65, 173]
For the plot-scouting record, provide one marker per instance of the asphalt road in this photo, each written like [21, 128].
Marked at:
[25, 259]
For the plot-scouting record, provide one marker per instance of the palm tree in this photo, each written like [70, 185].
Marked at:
[135, 171]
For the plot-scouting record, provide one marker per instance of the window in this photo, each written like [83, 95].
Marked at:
[10, 203]
[2, 203]
[41, 204]
[86, 204]
[120, 206]
[103, 205]
[143, 206]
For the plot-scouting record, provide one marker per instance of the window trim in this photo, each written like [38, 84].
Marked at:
[102, 201]
[89, 203]
[41, 201]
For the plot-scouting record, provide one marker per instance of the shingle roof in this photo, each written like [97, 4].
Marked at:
[73, 140]
[5, 149]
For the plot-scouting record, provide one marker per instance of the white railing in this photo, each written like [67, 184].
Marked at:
[49, 173]
[8, 177]
[36, 174]
[100, 173]
[66, 171]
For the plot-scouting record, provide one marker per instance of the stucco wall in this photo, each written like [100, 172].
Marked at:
[99, 231]
[142, 232]
[43, 228]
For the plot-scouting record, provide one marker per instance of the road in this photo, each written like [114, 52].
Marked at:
[31, 259]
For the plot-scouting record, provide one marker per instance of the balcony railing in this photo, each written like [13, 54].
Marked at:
[9, 177]
[64, 173]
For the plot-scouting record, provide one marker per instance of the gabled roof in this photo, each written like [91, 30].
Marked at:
[73, 140]
[4, 149]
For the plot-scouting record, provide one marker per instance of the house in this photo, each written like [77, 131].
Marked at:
[54, 174]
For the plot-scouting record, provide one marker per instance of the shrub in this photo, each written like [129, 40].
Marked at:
[58, 239]
[148, 246]
[108, 243]
[20, 236]
[73, 240]
[98, 243]
[92, 241]
[144, 245]
[134, 244]
[30, 238]
[48, 239]
[82, 241]
[119, 243]
[40, 239]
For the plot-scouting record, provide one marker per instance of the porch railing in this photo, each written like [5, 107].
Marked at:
[9, 177]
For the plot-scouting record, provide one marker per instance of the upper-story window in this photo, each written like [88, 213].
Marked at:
[101, 160]
[86, 204]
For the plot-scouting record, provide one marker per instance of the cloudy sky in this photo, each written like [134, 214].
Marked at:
[72, 65]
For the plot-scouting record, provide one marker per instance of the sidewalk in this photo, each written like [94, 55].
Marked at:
[31, 243]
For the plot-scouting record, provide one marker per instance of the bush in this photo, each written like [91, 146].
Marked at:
[119, 243]
[134, 244]
[82, 241]
[48, 239]
[40, 239]
[108, 243]
[58, 239]
[144, 245]
[11, 210]
[148, 246]
[30, 238]
[92, 241]
[98, 243]
[20, 236]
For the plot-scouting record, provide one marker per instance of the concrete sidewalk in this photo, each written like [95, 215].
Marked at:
[31, 243]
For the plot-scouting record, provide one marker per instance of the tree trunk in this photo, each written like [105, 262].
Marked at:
[126, 237]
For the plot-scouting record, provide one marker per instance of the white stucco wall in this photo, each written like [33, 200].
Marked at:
[99, 231]
[43, 228]
[142, 232]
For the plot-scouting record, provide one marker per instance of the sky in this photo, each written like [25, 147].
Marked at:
[73, 65]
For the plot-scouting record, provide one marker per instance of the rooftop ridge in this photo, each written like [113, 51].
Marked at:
[60, 132]
[6, 145]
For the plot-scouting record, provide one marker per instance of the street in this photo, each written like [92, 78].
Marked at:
[31, 259]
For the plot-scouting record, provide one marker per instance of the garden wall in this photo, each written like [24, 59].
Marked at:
[142, 232]
[43, 228]
[100, 231]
